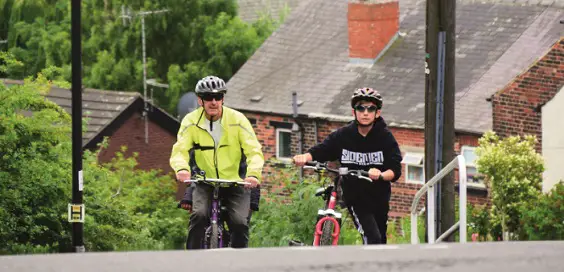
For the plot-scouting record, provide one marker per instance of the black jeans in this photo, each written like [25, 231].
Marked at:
[370, 223]
[237, 202]
[369, 204]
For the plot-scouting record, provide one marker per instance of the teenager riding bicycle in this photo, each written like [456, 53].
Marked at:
[365, 144]
[223, 142]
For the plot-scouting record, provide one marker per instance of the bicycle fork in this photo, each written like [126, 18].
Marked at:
[328, 214]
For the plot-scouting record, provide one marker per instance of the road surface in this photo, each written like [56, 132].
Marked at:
[475, 257]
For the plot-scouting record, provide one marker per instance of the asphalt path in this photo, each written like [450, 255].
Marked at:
[476, 257]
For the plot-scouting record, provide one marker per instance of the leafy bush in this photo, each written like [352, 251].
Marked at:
[402, 234]
[130, 209]
[543, 217]
[293, 217]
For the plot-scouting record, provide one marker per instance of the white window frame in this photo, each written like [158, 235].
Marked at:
[472, 165]
[278, 131]
[421, 164]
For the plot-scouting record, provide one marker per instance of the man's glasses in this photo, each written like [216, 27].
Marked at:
[361, 108]
[210, 97]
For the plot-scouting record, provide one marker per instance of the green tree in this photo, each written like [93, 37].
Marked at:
[513, 173]
[34, 155]
[35, 163]
[9, 64]
[194, 38]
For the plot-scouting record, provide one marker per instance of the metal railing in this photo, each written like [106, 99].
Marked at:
[461, 224]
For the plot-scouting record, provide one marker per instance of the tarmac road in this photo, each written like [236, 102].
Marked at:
[476, 257]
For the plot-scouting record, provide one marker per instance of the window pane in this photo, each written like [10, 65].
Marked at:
[473, 175]
[413, 158]
[469, 155]
[284, 144]
[415, 173]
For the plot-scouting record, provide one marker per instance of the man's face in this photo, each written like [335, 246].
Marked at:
[212, 103]
[366, 112]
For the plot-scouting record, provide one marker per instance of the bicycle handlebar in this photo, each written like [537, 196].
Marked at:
[220, 181]
[343, 171]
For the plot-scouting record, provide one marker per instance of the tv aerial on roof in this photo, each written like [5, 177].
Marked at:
[153, 83]
[127, 16]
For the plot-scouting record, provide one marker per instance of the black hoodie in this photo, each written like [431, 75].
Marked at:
[379, 149]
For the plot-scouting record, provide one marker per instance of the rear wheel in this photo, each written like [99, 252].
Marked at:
[327, 233]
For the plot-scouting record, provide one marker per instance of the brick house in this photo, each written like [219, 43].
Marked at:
[532, 104]
[325, 49]
[118, 115]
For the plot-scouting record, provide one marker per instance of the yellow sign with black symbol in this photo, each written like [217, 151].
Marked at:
[76, 213]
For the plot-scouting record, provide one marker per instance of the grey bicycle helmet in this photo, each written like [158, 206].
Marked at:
[367, 94]
[210, 84]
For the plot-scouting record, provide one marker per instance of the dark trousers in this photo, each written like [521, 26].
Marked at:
[370, 223]
[237, 201]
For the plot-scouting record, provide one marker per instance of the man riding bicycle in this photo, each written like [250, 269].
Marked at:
[365, 144]
[223, 144]
[186, 201]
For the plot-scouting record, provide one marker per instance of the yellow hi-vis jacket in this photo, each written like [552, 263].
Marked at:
[237, 147]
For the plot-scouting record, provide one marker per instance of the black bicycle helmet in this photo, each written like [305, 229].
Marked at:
[210, 85]
[367, 94]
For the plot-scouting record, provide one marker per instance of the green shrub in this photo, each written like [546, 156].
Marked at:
[543, 218]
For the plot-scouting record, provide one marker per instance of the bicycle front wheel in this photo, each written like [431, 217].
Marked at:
[327, 233]
[214, 236]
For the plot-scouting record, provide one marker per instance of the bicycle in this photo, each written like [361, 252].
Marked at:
[216, 231]
[328, 226]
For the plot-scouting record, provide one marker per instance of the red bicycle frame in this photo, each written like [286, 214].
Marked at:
[329, 214]
[319, 226]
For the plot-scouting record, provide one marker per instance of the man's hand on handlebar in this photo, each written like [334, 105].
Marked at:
[183, 175]
[300, 160]
[253, 182]
[187, 207]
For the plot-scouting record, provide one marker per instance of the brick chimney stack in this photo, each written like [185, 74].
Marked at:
[373, 25]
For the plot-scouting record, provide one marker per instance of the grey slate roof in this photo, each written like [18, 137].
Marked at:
[496, 40]
[250, 10]
[99, 107]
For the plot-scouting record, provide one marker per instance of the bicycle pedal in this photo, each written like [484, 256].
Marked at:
[295, 243]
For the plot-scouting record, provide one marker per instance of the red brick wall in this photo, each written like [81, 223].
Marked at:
[516, 108]
[402, 192]
[371, 27]
[154, 155]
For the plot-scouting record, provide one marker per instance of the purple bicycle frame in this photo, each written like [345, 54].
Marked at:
[215, 204]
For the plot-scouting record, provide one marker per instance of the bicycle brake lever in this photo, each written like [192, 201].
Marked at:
[356, 174]
[315, 168]
[366, 178]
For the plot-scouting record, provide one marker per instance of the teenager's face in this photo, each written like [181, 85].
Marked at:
[366, 112]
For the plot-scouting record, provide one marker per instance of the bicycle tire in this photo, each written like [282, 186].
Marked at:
[214, 236]
[327, 233]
